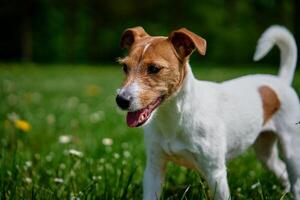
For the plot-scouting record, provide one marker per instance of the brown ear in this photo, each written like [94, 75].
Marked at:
[131, 35]
[185, 42]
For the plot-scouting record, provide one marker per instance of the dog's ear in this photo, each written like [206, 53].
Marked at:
[185, 42]
[131, 35]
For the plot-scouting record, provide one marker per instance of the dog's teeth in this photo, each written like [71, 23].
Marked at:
[141, 118]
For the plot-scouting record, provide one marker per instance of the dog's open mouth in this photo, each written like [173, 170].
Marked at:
[139, 117]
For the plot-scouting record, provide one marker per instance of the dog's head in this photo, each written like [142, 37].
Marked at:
[155, 68]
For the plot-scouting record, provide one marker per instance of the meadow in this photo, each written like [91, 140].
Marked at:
[63, 137]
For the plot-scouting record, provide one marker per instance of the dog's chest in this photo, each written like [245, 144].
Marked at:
[178, 146]
[176, 136]
[178, 152]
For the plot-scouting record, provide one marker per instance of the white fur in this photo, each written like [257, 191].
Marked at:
[145, 48]
[206, 124]
[131, 91]
[277, 35]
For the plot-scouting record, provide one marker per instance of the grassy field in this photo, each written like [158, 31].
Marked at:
[62, 137]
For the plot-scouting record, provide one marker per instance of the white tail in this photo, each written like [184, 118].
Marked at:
[280, 36]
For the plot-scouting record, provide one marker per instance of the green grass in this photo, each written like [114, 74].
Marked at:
[80, 102]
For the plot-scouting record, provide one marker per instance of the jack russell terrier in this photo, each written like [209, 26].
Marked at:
[201, 124]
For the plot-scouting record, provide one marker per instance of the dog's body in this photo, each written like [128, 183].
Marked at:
[203, 124]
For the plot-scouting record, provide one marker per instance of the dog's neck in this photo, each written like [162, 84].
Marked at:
[172, 107]
[187, 84]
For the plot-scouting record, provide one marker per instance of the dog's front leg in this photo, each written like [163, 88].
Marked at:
[217, 181]
[213, 166]
[154, 173]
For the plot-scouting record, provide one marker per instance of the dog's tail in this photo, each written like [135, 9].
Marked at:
[280, 36]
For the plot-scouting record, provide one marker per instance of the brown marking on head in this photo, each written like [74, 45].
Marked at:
[270, 102]
[168, 54]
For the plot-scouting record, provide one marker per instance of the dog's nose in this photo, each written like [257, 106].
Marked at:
[122, 102]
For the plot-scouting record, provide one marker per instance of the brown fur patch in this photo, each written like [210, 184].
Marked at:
[270, 102]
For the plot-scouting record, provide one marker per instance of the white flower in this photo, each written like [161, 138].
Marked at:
[28, 163]
[95, 178]
[126, 154]
[116, 155]
[255, 185]
[13, 116]
[9, 173]
[64, 139]
[58, 180]
[72, 173]
[97, 116]
[62, 166]
[75, 153]
[107, 141]
[75, 198]
[72, 102]
[49, 158]
[28, 180]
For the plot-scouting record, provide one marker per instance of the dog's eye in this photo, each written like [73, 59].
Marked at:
[152, 69]
[125, 68]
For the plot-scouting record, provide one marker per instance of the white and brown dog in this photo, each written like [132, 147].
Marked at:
[201, 124]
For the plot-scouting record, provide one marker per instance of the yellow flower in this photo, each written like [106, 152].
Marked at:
[22, 125]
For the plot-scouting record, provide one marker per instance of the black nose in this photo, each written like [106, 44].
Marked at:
[122, 102]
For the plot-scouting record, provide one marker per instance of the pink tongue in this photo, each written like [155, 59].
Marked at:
[133, 118]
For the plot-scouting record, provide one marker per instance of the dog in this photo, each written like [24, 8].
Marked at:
[201, 124]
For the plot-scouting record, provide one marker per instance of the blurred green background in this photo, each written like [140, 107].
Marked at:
[61, 133]
[88, 31]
